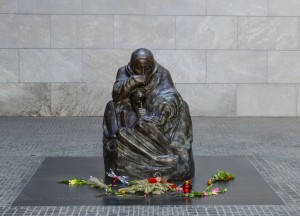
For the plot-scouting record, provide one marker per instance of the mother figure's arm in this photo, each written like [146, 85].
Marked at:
[125, 84]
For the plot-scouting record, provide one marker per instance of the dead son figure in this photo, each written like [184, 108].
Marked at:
[147, 126]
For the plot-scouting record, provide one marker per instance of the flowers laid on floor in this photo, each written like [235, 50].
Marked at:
[74, 181]
[157, 185]
[221, 175]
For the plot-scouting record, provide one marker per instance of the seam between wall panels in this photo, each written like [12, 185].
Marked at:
[297, 94]
[50, 31]
[149, 15]
[236, 100]
[50, 99]
[267, 77]
[175, 33]
[81, 65]
[113, 31]
[298, 34]
[237, 32]
[19, 66]
[206, 66]
[103, 48]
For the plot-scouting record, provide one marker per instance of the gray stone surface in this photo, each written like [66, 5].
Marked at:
[284, 8]
[79, 99]
[9, 65]
[101, 66]
[185, 66]
[284, 67]
[50, 6]
[24, 31]
[273, 143]
[268, 33]
[266, 100]
[177, 7]
[24, 99]
[238, 7]
[50, 65]
[153, 32]
[199, 41]
[112, 7]
[8, 6]
[209, 99]
[237, 66]
[210, 32]
[43, 189]
[81, 31]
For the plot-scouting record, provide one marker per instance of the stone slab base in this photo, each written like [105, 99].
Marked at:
[249, 188]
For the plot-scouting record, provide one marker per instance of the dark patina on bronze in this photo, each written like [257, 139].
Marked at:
[147, 126]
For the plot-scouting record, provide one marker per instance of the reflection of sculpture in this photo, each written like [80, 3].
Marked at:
[147, 127]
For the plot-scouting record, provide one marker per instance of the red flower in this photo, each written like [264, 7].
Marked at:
[152, 180]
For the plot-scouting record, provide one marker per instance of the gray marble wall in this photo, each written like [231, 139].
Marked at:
[227, 58]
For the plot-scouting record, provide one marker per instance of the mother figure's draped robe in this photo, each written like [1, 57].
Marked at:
[143, 147]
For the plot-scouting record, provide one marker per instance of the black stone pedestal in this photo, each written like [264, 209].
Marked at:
[249, 188]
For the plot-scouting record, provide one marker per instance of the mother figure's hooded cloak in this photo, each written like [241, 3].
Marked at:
[160, 140]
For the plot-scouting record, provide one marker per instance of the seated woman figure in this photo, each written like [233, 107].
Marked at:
[147, 126]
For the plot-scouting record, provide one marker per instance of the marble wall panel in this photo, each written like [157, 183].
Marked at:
[210, 32]
[19, 99]
[224, 66]
[50, 65]
[238, 7]
[113, 7]
[82, 31]
[266, 100]
[9, 65]
[284, 67]
[79, 99]
[268, 33]
[154, 32]
[8, 6]
[101, 66]
[185, 66]
[24, 31]
[50, 6]
[175, 7]
[284, 8]
[209, 99]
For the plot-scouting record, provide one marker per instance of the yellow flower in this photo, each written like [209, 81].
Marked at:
[122, 192]
[72, 182]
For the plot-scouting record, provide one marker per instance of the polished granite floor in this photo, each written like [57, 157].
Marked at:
[272, 146]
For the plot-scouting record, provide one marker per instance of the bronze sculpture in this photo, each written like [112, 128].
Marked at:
[147, 126]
